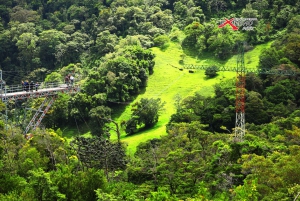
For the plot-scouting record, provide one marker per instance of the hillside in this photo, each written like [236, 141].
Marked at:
[168, 82]
[141, 128]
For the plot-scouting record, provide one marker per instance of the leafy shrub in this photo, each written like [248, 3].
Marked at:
[211, 71]
[161, 41]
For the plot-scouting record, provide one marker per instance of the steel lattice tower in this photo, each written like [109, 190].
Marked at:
[240, 85]
[240, 95]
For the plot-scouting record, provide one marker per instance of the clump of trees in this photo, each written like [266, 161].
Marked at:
[211, 71]
[145, 114]
[47, 167]
[122, 75]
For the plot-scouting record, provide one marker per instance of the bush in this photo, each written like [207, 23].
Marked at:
[161, 41]
[211, 71]
[175, 34]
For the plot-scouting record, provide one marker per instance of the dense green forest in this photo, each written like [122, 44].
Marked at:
[109, 45]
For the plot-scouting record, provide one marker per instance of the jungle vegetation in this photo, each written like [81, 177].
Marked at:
[108, 44]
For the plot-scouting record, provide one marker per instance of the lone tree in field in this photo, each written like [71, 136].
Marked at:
[211, 71]
[145, 114]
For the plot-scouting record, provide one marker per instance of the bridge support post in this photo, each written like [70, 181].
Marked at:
[42, 112]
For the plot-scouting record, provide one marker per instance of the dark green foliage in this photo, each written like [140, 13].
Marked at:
[284, 50]
[254, 83]
[139, 175]
[255, 109]
[59, 111]
[121, 191]
[95, 84]
[100, 116]
[100, 153]
[211, 71]
[123, 75]
[292, 47]
[12, 182]
[283, 91]
[249, 12]
[105, 43]
[145, 114]
[283, 16]
[282, 167]
[131, 126]
[181, 159]
[79, 106]
[89, 25]
[49, 40]
[216, 112]
[207, 37]
[293, 24]
[193, 32]
[269, 58]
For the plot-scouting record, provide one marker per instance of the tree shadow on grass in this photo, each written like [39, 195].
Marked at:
[138, 131]
[206, 78]
[118, 108]
[164, 47]
[76, 130]
[142, 129]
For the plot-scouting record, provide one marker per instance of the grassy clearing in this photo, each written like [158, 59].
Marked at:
[168, 82]
[251, 58]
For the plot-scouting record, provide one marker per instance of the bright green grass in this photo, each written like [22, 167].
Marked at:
[251, 58]
[166, 83]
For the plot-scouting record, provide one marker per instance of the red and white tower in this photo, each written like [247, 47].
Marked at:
[240, 95]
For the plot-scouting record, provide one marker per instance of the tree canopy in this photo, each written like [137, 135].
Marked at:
[110, 48]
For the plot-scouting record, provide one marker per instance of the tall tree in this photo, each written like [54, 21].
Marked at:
[49, 41]
[99, 117]
[100, 153]
[255, 109]
[28, 51]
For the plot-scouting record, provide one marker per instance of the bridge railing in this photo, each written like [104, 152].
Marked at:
[21, 88]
